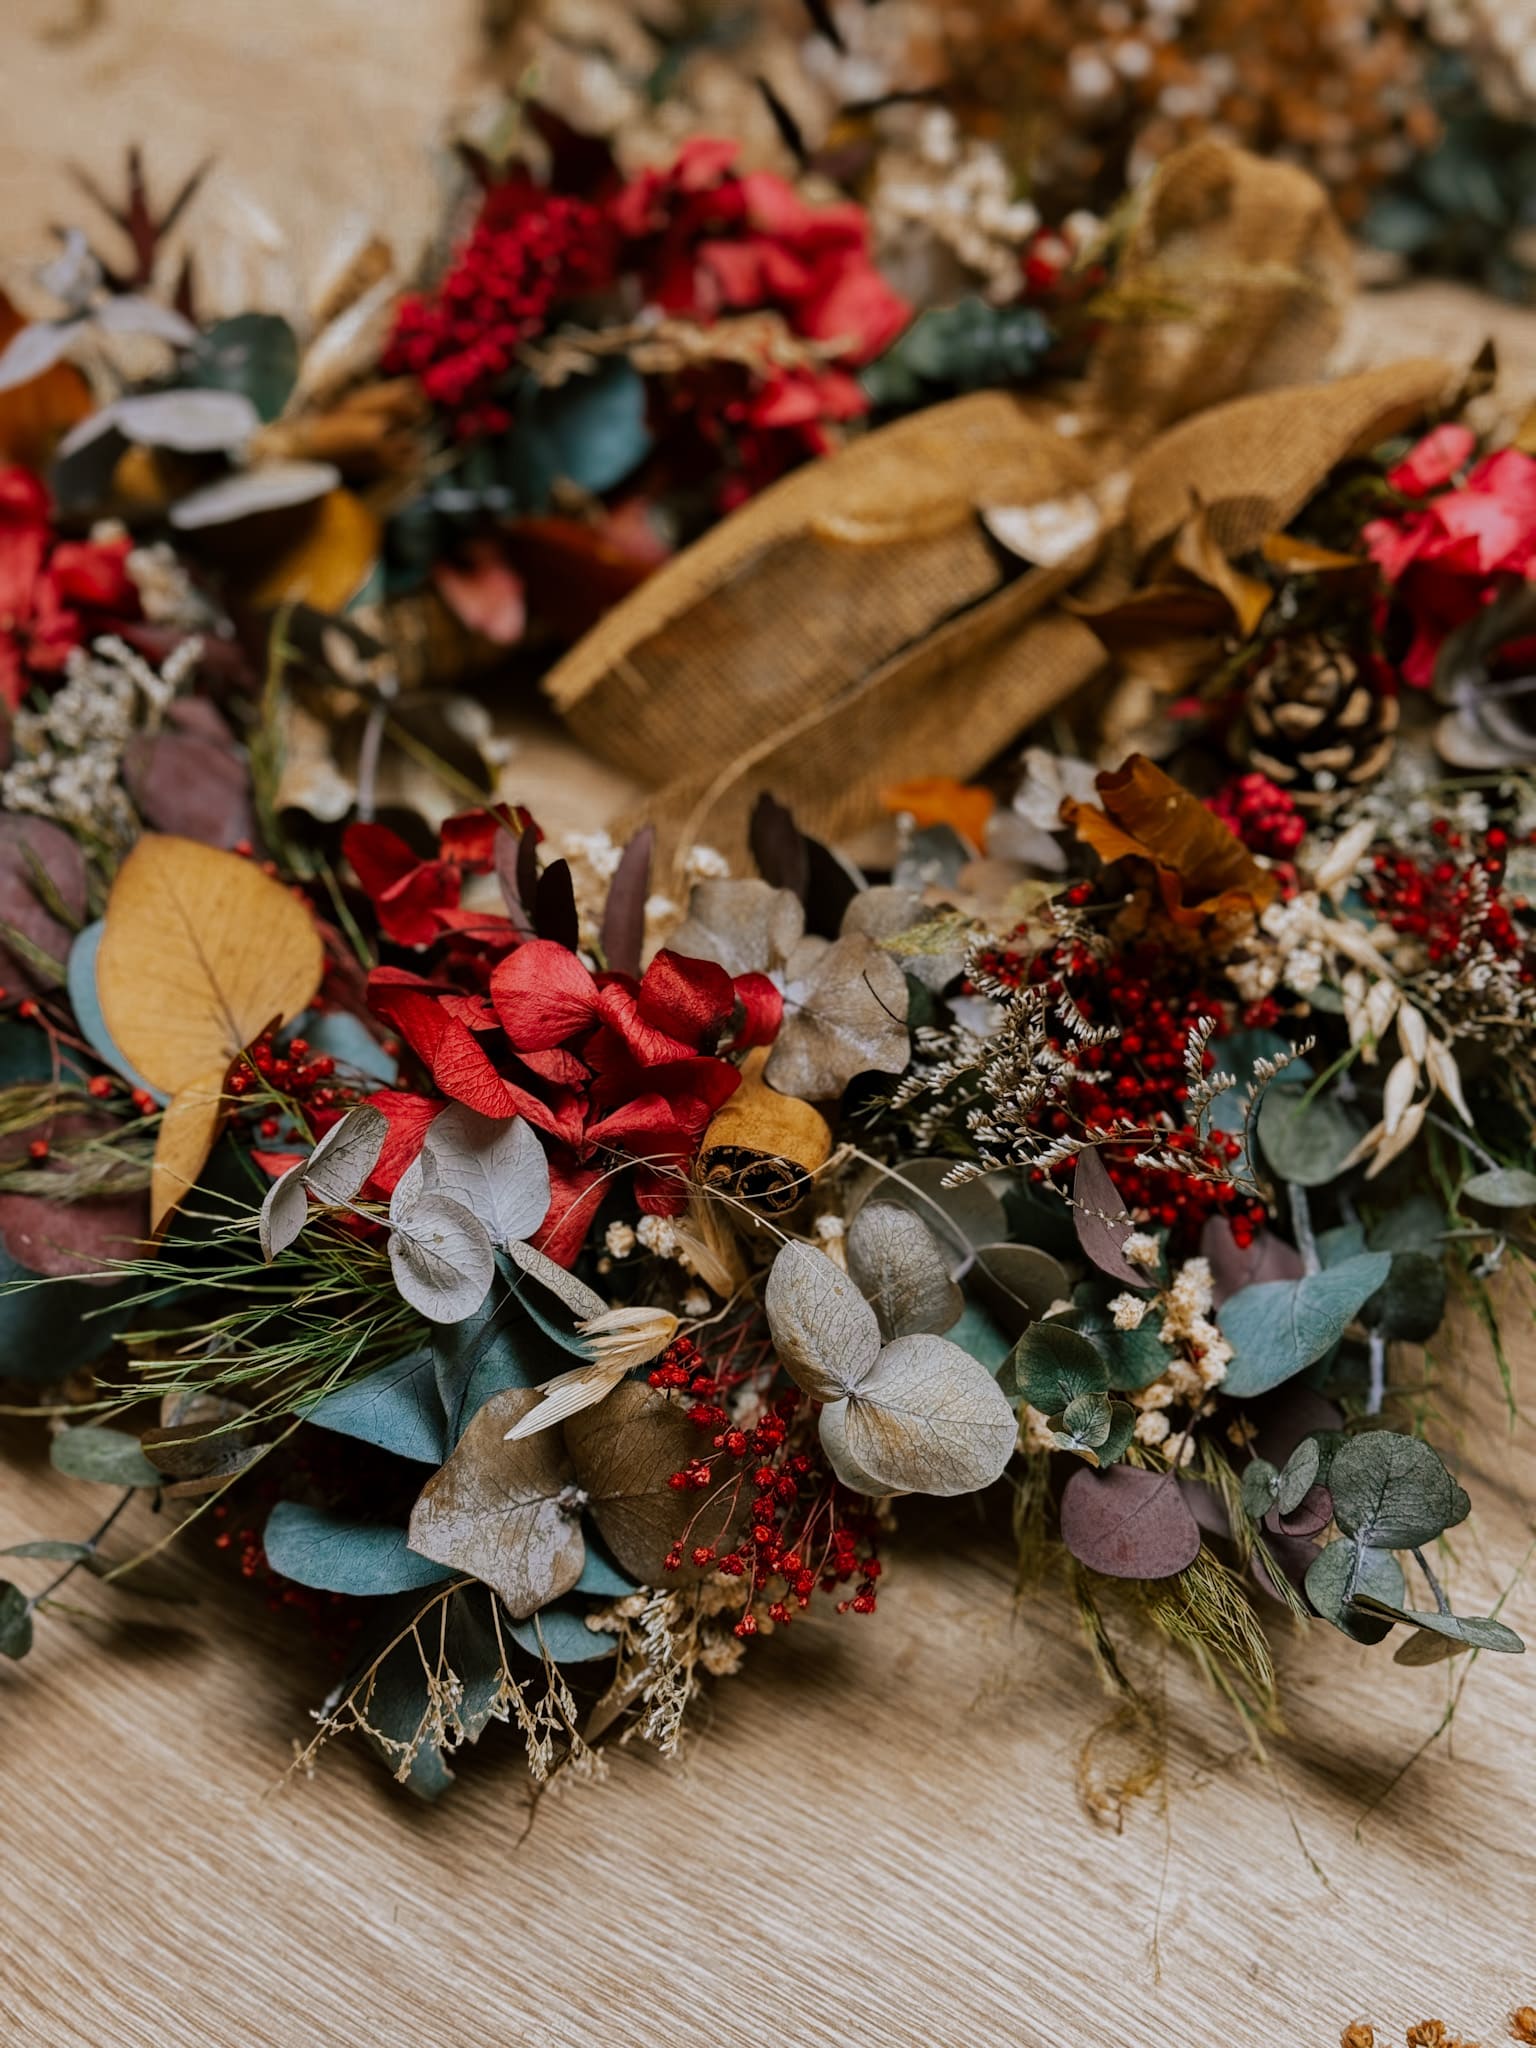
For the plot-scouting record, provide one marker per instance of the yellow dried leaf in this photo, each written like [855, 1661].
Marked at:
[328, 563]
[200, 952]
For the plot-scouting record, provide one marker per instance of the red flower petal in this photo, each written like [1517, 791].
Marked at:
[575, 1196]
[761, 1011]
[408, 1115]
[451, 1052]
[543, 996]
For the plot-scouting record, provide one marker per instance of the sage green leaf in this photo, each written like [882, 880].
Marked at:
[825, 1332]
[1307, 1142]
[1018, 1283]
[15, 1621]
[1332, 1574]
[1051, 1365]
[897, 1265]
[256, 354]
[1393, 1492]
[109, 1456]
[1300, 1475]
[52, 1547]
[928, 1419]
[1135, 1358]
[1425, 1647]
[1502, 1187]
[561, 1634]
[1280, 1327]
[398, 1408]
[1477, 1631]
[495, 1348]
[1084, 1423]
[507, 1513]
[339, 1555]
[1261, 1483]
[1416, 1225]
[1411, 1304]
[584, 1302]
[1122, 1427]
[977, 1333]
[966, 1217]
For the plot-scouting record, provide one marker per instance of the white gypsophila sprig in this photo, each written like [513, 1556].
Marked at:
[68, 757]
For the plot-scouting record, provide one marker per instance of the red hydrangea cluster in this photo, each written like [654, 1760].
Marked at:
[610, 1069]
[1260, 813]
[528, 251]
[1466, 536]
[1455, 904]
[1151, 999]
[53, 593]
[802, 1530]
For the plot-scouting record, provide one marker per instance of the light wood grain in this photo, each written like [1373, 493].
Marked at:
[879, 1838]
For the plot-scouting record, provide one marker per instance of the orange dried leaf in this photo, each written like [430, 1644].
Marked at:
[1199, 554]
[329, 562]
[200, 952]
[1203, 869]
[35, 416]
[940, 800]
[1299, 557]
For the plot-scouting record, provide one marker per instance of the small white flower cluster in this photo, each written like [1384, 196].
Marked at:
[68, 756]
[961, 193]
[1200, 1367]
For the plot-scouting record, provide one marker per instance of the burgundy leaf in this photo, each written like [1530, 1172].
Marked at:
[510, 866]
[77, 1239]
[624, 911]
[1292, 1554]
[778, 846]
[29, 846]
[554, 907]
[1284, 1417]
[1234, 1267]
[1312, 1514]
[831, 883]
[1102, 1222]
[1129, 1523]
[184, 783]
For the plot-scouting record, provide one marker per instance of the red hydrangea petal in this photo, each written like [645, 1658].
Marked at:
[451, 1053]
[760, 1011]
[543, 996]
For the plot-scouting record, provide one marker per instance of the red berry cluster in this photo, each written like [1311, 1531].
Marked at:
[1151, 1000]
[802, 1530]
[291, 1071]
[1261, 814]
[528, 250]
[1454, 904]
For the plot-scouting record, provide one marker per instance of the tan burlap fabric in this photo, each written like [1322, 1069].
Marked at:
[855, 626]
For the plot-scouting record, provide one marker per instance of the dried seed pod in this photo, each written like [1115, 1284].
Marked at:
[763, 1147]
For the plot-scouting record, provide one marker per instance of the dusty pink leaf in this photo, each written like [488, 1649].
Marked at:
[1129, 1523]
[1102, 1222]
[28, 845]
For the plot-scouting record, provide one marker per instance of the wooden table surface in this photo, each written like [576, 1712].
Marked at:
[879, 1836]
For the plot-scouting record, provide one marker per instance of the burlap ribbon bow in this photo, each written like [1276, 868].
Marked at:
[859, 625]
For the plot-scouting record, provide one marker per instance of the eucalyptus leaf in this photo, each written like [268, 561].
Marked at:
[1018, 1283]
[896, 1263]
[189, 422]
[1477, 1631]
[497, 1347]
[1502, 1187]
[248, 493]
[339, 1555]
[15, 1621]
[1129, 1523]
[1260, 1484]
[965, 1217]
[284, 1212]
[977, 1333]
[398, 1408]
[1280, 1327]
[1410, 1306]
[1300, 1475]
[561, 1634]
[1393, 1492]
[584, 1302]
[1332, 1576]
[109, 1456]
[441, 1258]
[495, 1167]
[256, 354]
[1307, 1142]
[1084, 1422]
[826, 1334]
[335, 1171]
[507, 1513]
[54, 1548]
[927, 1419]
[847, 1016]
[625, 1451]
[1052, 1365]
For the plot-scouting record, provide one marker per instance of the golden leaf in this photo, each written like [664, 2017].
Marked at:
[329, 562]
[1299, 557]
[200, 952]
[1203, 870]
[35, 416]
[1199, 554]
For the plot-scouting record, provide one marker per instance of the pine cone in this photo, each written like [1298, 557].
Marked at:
[1314, 725]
